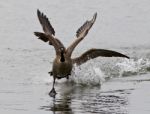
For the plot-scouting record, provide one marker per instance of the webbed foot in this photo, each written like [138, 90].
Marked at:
[52, 93]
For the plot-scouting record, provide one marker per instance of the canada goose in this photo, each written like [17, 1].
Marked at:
[63, 63]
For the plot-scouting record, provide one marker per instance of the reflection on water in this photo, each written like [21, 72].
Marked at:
[59, 105]
[88, 100]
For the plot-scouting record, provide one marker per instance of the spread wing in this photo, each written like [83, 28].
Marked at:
[55, 42]
[81, 33]
[93, 53]
[46, 25]
[45, 38]
[48, 36]
[84, 29]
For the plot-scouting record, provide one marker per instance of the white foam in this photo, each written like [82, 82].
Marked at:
[133, 66]
[89, 73]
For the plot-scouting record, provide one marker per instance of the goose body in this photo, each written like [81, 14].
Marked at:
[62, 69]
[63, 63]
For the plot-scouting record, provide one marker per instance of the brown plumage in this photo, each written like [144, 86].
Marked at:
[63, 63]
[93, 53]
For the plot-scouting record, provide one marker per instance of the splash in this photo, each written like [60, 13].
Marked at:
[88, 74]
[97, 71]
[134, 67]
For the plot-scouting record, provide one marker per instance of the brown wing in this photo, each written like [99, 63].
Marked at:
[55, 42]
[83, 30]
[93, 53]
[49, 31]
[44, 38]
[47, 27]
[81, 33]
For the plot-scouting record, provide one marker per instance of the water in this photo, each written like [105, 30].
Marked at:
[102, 85]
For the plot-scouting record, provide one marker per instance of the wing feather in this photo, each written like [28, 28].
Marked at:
[83, 30]
[44, 37]
[93, 53]
[81, 33]
[49, 31]
[47, 27]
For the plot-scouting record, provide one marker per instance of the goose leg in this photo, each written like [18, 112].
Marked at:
[67, 77]
[53, 93]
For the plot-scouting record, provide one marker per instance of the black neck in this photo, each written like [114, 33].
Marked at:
[62, 57]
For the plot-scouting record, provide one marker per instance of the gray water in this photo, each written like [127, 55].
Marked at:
[102, 85]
